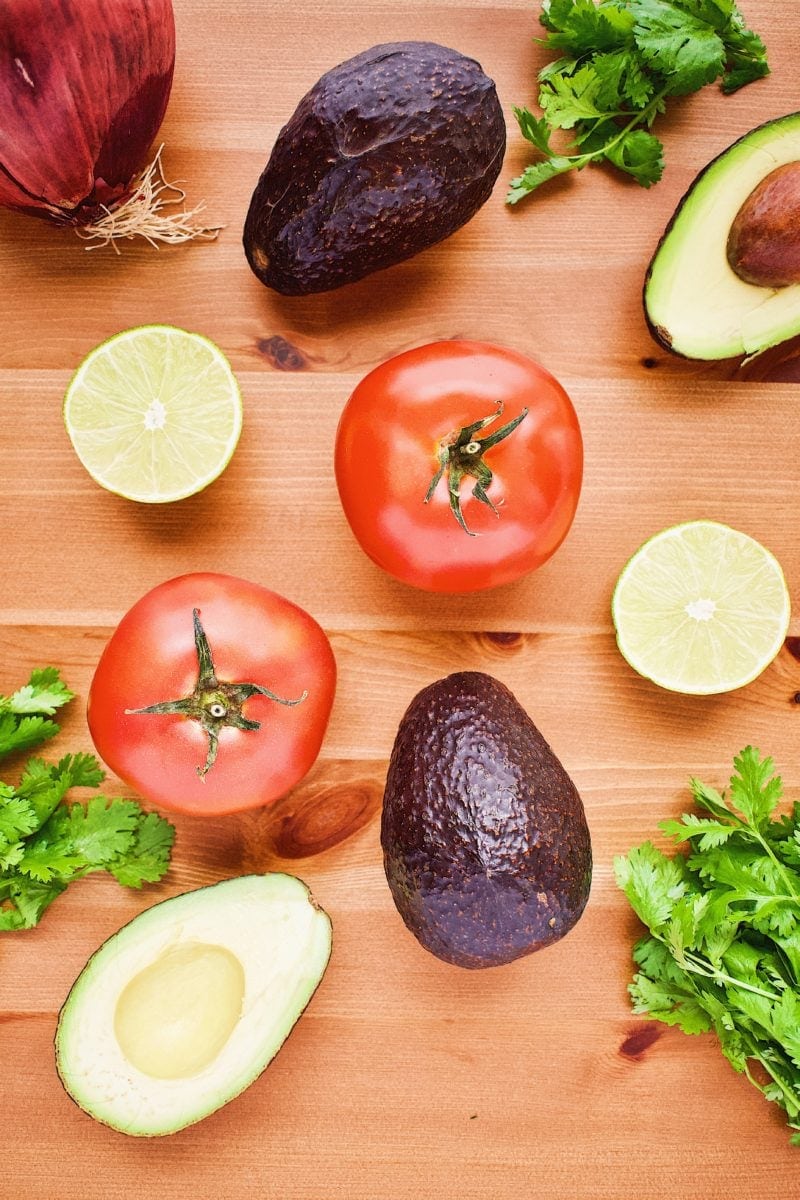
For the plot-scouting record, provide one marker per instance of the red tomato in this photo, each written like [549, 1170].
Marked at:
[459, 465]
[212, 695]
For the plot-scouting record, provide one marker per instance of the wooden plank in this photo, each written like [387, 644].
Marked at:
[406, 1078]
[525, 276]
[677, 450]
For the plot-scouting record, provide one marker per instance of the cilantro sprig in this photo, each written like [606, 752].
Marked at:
[723, 949]
[46, 842]
[618, 63]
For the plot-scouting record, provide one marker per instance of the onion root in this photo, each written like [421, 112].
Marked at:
[142, 215]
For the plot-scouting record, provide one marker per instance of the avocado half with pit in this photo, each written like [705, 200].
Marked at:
[713, 288]
[185, 1006]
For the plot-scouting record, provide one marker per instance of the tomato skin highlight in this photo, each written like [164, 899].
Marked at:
[255, 636]
[387, 445]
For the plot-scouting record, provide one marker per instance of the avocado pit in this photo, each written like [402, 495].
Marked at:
[722, 283]
[764, 241]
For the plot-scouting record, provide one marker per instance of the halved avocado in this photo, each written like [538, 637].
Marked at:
[696, 305]
[185, 1006]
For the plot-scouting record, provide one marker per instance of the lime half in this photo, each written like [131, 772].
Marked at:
[701, 608]
[154, 413]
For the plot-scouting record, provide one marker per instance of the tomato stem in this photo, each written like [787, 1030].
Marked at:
[214, 704]
[462, 454]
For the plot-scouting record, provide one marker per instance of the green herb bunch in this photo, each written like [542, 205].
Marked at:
[723, 952]
[619, 62]
[45, 843]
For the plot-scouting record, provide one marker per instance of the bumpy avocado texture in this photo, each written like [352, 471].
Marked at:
[186, 1005]
[485, 842]
[387, 154]
[696, 304]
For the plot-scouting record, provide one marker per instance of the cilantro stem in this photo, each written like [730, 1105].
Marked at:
[642, 116]
[696, 964]
[781, 868]
[792, 1098]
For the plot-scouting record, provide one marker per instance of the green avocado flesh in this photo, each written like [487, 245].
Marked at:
[695, 304]
[184, 1007]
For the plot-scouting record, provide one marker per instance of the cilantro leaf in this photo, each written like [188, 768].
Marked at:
[621, 83]
[535, 129]
[29, 898]
[23, 715]
[583, 27]
[670, 1004]
[753, 792]
[10, 856]
[46, 842]
[639, 87]
[710, 833]
[44, 692]
[102, 830]
[148, 858]
[46, 861]
[652, 882]
[570, 99]
[80, 770]
[535, 175]
[23, 733]
[639, 154]
[17, 820]
[685, 50]
[45, 786]
[747, 57]
[665, 991]
[617, 62]
[723, 950]
[710, 799]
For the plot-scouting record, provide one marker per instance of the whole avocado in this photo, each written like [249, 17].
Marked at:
[387, 154]
[485, 842]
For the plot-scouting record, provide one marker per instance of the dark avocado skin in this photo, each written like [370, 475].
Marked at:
[388, 153]
[485, 842]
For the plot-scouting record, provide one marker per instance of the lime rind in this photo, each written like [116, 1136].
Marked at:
[154, 413]
[701, 608]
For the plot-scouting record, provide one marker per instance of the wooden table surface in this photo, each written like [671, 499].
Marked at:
[406, 1079]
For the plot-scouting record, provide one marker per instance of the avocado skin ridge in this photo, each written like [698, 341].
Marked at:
[389, 153]
[486, 847]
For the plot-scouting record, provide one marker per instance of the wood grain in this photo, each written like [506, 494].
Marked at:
[406, 1079]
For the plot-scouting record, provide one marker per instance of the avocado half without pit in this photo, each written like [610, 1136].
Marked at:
[724, 281]
[185, 1006]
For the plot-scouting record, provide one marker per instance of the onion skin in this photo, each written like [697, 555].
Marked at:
[84, 86]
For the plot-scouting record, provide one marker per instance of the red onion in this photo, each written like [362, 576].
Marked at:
[84, 86]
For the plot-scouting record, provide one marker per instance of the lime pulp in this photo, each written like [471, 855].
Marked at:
[154, 413]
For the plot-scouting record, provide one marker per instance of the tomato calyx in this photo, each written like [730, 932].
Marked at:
[461, 453]
[214, 703]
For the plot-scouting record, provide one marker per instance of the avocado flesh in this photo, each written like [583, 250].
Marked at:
[486, 847]
[695, 304]
[185, 1006]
